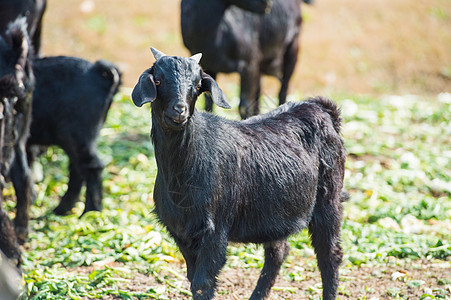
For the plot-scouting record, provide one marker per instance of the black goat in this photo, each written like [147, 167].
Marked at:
[33, 10]
[70, 104]
[255, 181]
[16, 86]
[251, 37]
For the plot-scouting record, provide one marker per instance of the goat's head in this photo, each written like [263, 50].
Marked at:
[172, 86]
[16, 85]
[15, 69]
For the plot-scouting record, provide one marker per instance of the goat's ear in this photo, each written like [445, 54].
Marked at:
[209, 86]
[19, 41]
[145, 90]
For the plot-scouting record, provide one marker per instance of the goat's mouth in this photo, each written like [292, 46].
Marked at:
[176, 123]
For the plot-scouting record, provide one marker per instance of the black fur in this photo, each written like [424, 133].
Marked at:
[255, 181]
[33, 10]
[251, 37]
[16, 86]
[70, 104]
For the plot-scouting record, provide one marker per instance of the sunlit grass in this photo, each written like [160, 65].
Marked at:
[398, 175]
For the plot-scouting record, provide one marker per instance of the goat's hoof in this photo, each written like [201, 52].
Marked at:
[90, 207]
[22, 234]
[33, 196]
[62, 211]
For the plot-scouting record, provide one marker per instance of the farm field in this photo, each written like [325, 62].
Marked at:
[386, 63]
[395, 232]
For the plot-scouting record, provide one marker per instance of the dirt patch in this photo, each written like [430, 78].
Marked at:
[366, 46]
[380, 282]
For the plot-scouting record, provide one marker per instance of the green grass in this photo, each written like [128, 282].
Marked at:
[398, 173]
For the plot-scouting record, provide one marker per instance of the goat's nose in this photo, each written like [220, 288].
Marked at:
[180, 108]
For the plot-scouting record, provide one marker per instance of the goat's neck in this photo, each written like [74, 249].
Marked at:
[172, 151]
[200, 19]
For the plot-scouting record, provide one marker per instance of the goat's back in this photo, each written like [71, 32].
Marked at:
[260, 176]
[294, 140]
[243, 36]
[72, 97]
[268, 35]
[276, 32]
[33, 10]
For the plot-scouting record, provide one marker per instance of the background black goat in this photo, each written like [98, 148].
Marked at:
[70, 104]
[16, 87]
[251, 37]
[33, 10]
[256, 181]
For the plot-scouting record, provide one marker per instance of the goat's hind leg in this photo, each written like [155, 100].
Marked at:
[275, 254]
[72, 194]
[324, 229]
[92, 168]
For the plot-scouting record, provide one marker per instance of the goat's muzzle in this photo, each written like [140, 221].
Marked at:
[177, 117]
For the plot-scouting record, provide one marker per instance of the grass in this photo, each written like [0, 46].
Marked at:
[397, 222]
[398, 172]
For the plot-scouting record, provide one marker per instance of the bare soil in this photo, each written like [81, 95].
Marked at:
[378, 282]
[348, 46]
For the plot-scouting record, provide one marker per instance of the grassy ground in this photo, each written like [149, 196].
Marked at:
[395, 232]
[396, 225]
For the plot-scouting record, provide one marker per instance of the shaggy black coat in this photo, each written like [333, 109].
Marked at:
[255, 181]
[33, 10]
[251, 37]
[70, 104]
[16, 86]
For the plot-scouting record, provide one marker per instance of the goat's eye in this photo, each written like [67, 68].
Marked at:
[198, 86]
[157, 82]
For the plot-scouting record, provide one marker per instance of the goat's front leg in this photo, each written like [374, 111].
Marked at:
[250, 80]
[8, 240]
[275, 254]
[210, 259]
[21, 178]
[190, 257]
[289, 62]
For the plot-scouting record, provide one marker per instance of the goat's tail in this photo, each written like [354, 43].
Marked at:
[110, 72]
[114, 77]
[331, 108]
